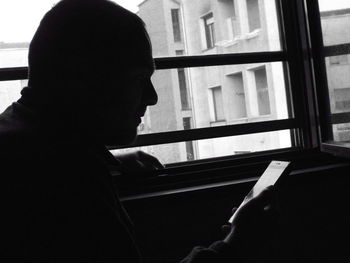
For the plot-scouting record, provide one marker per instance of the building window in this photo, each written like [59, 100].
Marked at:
[175, 17]
[262, 91]
[218, 106]
[189, 145]
[238, 106]
[253, 15]
[185, 105]
[179, 52]
[209, 31]
[231, 28]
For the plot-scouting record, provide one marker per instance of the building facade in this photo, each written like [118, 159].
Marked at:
[218, 95]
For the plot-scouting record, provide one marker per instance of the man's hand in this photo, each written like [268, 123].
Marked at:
[138, 164]
[254, 223]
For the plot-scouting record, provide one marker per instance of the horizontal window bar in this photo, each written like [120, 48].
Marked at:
[179, 62]
[212, 132]
[217, 60]
[336, 50]
[339, 118]
[13, 73]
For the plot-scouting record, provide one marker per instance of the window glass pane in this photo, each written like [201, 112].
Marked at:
[212, 26]
[200, 27]
[335, 20]
[10, 92]
[219, 95]
[217, 147]
[18, 22]
[338, 68]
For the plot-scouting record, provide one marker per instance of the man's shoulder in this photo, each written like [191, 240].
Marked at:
[17, 135]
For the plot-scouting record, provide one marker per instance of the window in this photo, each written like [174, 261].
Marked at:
[189, 145]
[262, 91]
[238, 104]
[330, 35]
[175, 17]
[253, 15]
[218, 105]
[258, 101]
[227, 11]
[185, 104]
[209, 31]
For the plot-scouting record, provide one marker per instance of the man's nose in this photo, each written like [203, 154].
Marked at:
[150, 96]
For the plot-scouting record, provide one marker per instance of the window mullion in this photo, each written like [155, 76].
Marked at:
[217, 60]
[213, 132]
[301, 73]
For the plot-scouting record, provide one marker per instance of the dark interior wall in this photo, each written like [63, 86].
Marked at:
[314, 222]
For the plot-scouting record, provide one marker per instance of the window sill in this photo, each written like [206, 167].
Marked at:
[217, 123]
[227, 43]
[255, 33]
[242, 174]
[341, 149]
[231, 42]
[209, 51]
[250, 119]
[218, 172]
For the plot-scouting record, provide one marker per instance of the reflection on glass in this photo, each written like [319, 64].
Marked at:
[217, 147]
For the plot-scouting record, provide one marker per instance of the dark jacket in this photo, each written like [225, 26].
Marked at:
[58, 202]
[57, 199]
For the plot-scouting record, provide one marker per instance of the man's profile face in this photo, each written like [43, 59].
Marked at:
[125, 108]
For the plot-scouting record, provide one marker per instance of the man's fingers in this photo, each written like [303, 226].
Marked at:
[226, 229]
[264, 198]
[150, 161]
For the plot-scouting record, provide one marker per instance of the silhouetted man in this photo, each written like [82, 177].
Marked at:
[90, 65]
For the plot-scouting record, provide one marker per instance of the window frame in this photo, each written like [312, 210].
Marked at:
[295, 51]
[319, 54]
